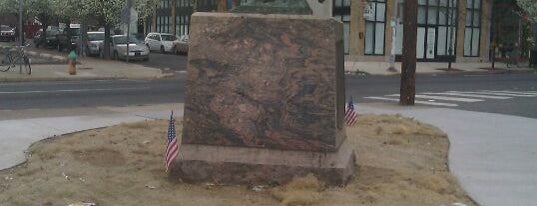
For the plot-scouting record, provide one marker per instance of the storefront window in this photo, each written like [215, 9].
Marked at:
[342, 12]
[436, 31]
[375, 24]
[182, 16]
[472, 30]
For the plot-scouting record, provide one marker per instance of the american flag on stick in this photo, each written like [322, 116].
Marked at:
[350, 114]
[172, 150]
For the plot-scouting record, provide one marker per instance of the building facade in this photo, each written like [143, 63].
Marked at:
[447, 29]
[457, 30]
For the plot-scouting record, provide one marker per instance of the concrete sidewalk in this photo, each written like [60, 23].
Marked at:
[89, 68]
[492, 155]
[381, 68]
[17, 134]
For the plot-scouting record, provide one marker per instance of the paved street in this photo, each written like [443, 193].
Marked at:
[513, 94]
[90, 93]
[466, 92]
[166, 61]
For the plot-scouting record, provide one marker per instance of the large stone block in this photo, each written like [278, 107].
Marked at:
[265, 81]
[265, 100]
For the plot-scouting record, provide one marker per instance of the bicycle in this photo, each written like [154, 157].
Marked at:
[14, 57]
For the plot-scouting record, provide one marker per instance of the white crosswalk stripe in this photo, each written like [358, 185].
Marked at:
[512, 92]
[449, 98]
[457, 99]
[500, 94]
[468, 95]
[416, 101]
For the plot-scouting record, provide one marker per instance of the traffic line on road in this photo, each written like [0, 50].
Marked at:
[416, 101]
[73, 90]
[467, 95]
[498, 94]
[515, 92]
[457, 99]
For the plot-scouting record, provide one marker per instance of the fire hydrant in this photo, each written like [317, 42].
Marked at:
[72, 63]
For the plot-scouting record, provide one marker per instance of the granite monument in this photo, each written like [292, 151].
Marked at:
[264, 100]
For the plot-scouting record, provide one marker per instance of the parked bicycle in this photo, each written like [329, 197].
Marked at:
[14, 57]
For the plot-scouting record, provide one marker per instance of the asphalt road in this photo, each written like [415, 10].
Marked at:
[361, 87]
[168, 61]
[71, 94]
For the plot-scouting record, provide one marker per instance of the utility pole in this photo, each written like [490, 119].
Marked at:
[451, 28]
[408, 67]
[21, 31]
[129, 5]
[493, 37]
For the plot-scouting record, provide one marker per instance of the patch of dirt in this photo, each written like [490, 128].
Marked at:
[401, 162]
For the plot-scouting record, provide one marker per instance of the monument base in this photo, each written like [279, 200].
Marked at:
[246, 165]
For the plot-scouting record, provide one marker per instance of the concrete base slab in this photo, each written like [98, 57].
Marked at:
[243, 165]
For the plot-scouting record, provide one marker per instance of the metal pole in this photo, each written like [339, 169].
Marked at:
[129, 5]
[493, 37]
[451, 28]
[408, 67]
[21, 31]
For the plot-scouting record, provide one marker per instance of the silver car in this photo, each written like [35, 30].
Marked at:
[137, 49]
[95, 43]
[180, 45]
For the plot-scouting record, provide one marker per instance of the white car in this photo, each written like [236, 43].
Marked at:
[95, 43]
[160, 42]
[137, 49]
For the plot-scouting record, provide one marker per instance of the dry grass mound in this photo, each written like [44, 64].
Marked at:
[300, 191]
[401, 162]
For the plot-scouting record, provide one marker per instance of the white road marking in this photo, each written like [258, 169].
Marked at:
[457, 99]
[515, 92]
[416, 101]
[468, 95]
[498, 94]
[73, 90]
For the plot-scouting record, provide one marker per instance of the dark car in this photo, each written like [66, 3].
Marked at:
[68, 38]
[7, 33]
[47, 39]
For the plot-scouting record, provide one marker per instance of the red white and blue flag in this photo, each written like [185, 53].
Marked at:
[172, 150]
[350, 114]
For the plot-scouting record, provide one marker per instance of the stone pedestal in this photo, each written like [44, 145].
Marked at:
[265, 100]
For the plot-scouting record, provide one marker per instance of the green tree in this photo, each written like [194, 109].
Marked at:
[529, 7]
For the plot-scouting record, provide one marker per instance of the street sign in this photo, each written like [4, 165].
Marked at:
[125, 15]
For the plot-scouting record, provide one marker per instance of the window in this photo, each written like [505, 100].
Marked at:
[447, 34]
[164, 4]
[472, 30]
[163, 24]
[375, 24]
[342, 12]
[182, 18]
[182, 23]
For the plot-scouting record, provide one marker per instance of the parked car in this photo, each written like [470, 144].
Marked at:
[47, 39]
[7, 33]
[95, 43]
[160, 42]
[68, 38]
[180, 45]
[137, 49]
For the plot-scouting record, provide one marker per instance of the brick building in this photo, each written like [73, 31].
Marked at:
[372, 28]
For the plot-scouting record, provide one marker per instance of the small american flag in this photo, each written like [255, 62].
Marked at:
[350, 114]
[172, 150]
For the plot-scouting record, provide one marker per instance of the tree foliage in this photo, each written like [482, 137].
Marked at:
[104, 11]
[529, 7]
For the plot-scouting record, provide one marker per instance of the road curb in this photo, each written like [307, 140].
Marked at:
[14, 80]
[40, 54]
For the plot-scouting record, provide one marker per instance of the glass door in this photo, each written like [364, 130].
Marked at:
[431, 42]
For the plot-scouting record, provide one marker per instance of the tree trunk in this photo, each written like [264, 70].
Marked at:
[408, 70]
[107, 38]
